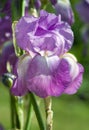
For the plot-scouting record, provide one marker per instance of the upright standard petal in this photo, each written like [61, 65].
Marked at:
[45, 33]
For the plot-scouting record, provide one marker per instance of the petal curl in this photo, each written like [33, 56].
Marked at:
[76, 83]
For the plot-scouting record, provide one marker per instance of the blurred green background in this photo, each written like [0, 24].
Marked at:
[70, 112]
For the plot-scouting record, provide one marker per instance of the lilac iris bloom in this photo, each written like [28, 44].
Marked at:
[46, 33]
[5, 23]
[83, 9]
[50, 71]
[47, 76]
[64, 8]
[8, 55]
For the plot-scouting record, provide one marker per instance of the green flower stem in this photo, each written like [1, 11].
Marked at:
[49, 113]
[29, 117]
[14, 10]
[12, 111]
[8, 82]
[23, 7]
[14, 116]
[20, 111]
[37, 112]
[18, 51]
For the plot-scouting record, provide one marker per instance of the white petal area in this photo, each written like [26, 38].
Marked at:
[74, 69]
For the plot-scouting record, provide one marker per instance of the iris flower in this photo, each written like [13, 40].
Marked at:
[46, 69]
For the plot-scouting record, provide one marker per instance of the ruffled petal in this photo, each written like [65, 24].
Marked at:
[26, 24]
[45, 33]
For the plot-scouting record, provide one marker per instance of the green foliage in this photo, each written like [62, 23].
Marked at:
[69, 112]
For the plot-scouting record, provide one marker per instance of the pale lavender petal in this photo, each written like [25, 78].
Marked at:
[19, 87]
[52, 62]
[39, 85]
[37, 76]
[40, 79]
[37, 67]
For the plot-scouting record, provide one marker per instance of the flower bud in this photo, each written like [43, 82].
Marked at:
[83, 9]
[7, 79]
[64, 8]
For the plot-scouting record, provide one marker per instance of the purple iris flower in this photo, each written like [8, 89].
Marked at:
[47, 76]
[8, 55]
[46, 69]
[5, 23]
[46, 33]
[64, 8]
[83, 9]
